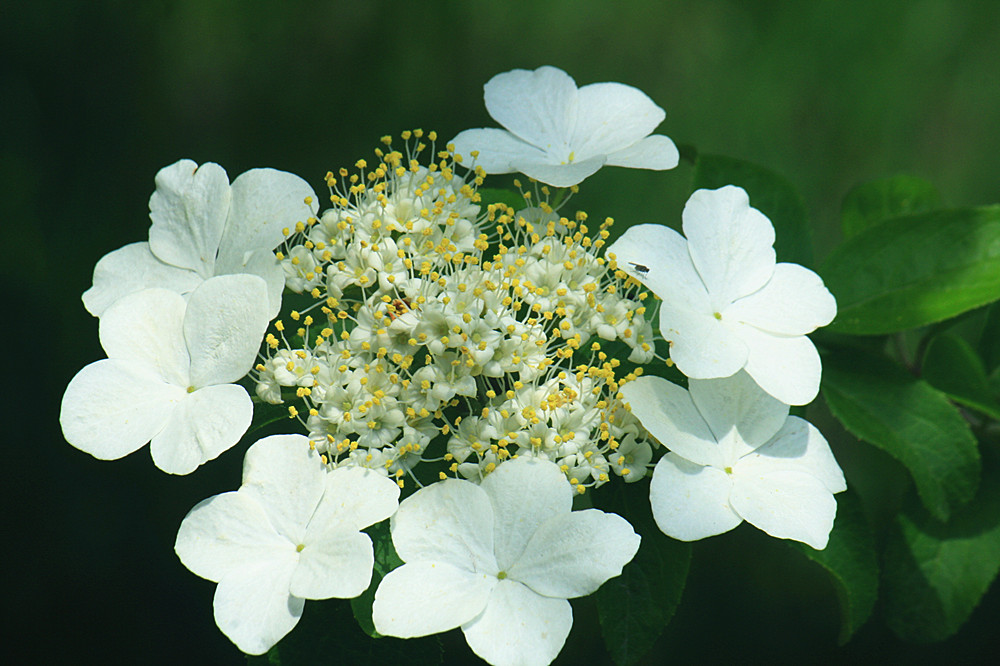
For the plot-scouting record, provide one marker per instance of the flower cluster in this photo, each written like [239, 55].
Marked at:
[433, 314]
[501, 346]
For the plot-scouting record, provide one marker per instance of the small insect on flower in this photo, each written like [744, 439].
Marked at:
[639, 268]
[397, 307]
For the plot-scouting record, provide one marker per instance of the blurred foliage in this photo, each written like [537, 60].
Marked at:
[96, 96]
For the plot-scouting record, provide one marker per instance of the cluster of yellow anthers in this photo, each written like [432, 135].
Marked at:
[435, 318]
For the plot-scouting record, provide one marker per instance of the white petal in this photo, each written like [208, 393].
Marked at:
[664, 265]
[785, 504]
[339, 566]
[353, 499]
[224, 325]
[189, 209]
[610, 117]
[203, 425]
[536, 106]
[264, 201]
[449, 522]
[560, 175]
[702, 346]
[669, 414]
[253, 607]
[573, 554]
[730, 243]
[524, 493]
[741, 415]
[789, 368]
[227, 532]
[799, 447]
[264, 265]
[112, 408]
[498, 150]
[793, 302]
[288, 479]
[690, 502]
[147, 327]
[654, 152]
[133, 268]
[519, 627]
[423, 598]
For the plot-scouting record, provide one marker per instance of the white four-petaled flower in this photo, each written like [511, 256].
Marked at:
[735, 455]
[726, 304]
[560, 134]
[499, 560]
[202, 227]
[290, 533]
[169, 372]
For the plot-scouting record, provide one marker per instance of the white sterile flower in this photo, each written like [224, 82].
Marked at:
[499, 560]
[169, 372]
[560, 134]
[202, 227]
[290, 533]
[735, 455]
[726, 304]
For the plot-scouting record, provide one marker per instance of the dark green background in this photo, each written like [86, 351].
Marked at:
[96, 96]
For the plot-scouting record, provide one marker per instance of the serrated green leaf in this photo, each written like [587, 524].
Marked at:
[907, 418]
[771, 194]
[635, 607]
[935, 574]
[875, 202]
[496, 195]
[989, 340]
[852, 563]
[951, 365]
[915, 270]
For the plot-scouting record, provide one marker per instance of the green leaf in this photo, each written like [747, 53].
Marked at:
[264, 415]
[386, 560]
[885, 406]
[936, 574]
[916, 270]
[874, 202]
[771, 194]
[635, 607]
[951, 365]
[989, 341]
[496, 195]
[851, 561]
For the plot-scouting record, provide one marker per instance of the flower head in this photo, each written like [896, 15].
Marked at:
[169, 372]
[499, 560]
[434, 314]
[726, 304]
[735, 455]
[290, 533]
[560, 134]
[202, 227]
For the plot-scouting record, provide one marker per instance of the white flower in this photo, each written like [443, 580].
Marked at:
[735, 455]
[726, 304]
[204, 227]
[630, 459]
[499, 560]
[168, 376]
[560, 134]
[290, 533]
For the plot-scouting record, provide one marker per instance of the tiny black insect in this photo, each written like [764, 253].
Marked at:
[639, 268]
